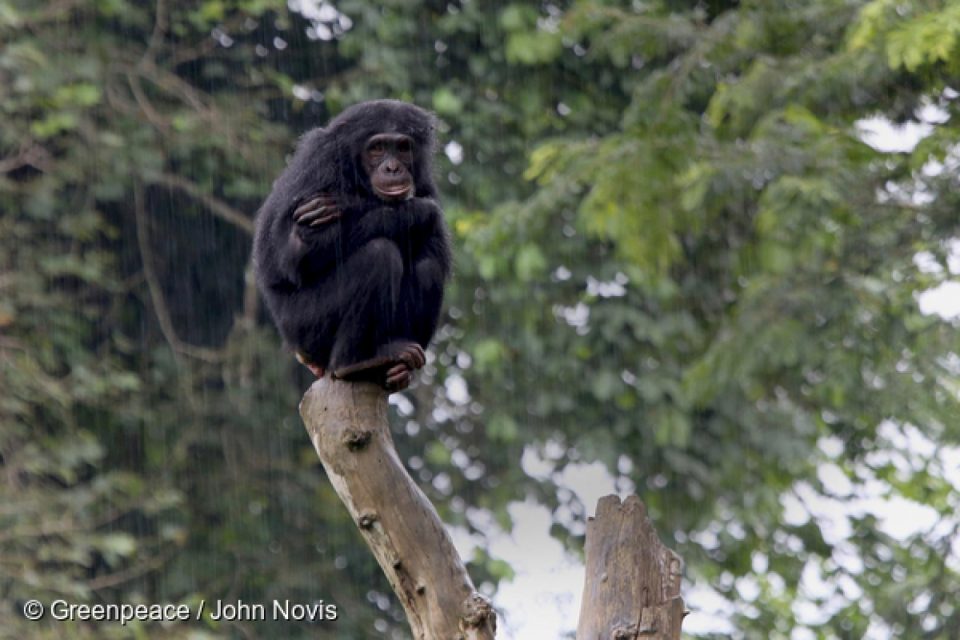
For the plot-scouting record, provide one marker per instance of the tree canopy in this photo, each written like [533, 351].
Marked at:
[683, 250]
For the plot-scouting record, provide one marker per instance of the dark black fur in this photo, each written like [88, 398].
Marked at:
[351, 289]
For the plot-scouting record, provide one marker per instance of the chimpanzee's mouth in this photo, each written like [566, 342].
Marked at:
[394, 192]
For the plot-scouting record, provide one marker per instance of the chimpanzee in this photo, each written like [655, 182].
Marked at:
[351, 250]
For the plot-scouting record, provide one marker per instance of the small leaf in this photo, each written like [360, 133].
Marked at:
[530, 262]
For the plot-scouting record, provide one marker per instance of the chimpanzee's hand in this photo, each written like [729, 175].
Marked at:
[317, 210]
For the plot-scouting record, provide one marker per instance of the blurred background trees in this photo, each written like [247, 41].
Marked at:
[695, 243]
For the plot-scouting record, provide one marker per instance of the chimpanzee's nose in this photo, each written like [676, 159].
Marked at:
[391, 166]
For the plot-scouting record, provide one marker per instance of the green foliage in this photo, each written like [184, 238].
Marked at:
[528, 42]
[675, 255]
[912, 35]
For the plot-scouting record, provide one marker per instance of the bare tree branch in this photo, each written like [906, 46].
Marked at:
[160, 23]
[347, 422]
[146, 107]
[156, 290]
[30, 154]
[216, 206]
[130, 573]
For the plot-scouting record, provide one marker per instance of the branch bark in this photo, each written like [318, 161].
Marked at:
[156, 290]
[347, 423]
[216, 206]
[632, 589]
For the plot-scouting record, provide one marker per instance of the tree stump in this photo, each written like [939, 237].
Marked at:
[632, 588]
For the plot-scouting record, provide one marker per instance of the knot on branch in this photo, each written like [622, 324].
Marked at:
[629, 632]
[478, 613]
[357, 439]
[367, 519]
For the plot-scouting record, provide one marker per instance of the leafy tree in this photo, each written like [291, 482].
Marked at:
[149, 445]
[713, 287]
[717, 297]
[677, 255]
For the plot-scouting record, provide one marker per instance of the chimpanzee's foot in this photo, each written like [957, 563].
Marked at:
[370, 370]
[393, 372]
[400, 375]
[315, 369]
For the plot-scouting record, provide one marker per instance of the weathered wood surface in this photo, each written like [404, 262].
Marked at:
[632, 588]
[347, 422]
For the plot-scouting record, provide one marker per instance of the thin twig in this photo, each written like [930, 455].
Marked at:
[145, 105]
[130, 573]
[30, 154]
[250, 299]
[216, 206]
[156, 291]
[11, 344]
[159, 29]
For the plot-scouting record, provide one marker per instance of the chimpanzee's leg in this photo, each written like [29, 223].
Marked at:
[420, 300]
[366, 290]
[421, 296]
[306, 321]
[350, 323]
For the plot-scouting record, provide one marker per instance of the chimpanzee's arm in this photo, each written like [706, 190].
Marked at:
[281, 245]
[410, 221]
[412, 224]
